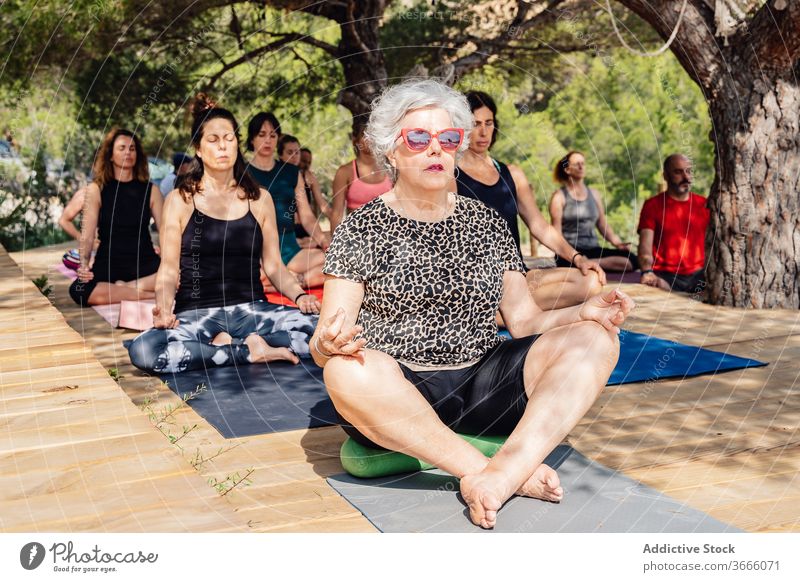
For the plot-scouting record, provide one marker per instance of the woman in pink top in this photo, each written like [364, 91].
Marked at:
[357, 182]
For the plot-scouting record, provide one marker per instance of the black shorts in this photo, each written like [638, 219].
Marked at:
[691, 283]
[602, 252]
[487, 398]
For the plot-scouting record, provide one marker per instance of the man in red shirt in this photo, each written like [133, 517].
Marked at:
[672, 231]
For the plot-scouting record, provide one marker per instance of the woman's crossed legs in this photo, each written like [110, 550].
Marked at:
[564, 371]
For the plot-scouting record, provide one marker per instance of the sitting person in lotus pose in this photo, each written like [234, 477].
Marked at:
[407, 334]
[219, 231]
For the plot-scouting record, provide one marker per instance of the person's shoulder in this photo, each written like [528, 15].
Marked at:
[345, 168]
[517, 173]
[477, 210]
[699, 197]
[657, 200]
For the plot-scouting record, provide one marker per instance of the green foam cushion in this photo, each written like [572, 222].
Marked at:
[365, 462]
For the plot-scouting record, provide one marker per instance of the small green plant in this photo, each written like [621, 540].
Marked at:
[163, 419]
[199, 459]
[114, 373]
[231, 482]
[42, 284]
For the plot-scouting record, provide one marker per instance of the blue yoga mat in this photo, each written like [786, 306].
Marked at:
[248, 400]
[644, 357]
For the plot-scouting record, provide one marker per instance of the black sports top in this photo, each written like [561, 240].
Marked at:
[220, 262]
[500, 196]
[126, 251]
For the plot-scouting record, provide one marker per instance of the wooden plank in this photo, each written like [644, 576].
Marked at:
[118, 498]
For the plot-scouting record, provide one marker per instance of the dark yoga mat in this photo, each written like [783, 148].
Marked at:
[248, 400]
[243, 401]
[596, 499]
[644, 357]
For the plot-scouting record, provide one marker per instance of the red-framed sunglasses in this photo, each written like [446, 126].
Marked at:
[418, 139]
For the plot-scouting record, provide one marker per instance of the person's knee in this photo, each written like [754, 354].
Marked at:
[142, 353]
[351, 381]
[80, 291]
[592, 284]
[596, 343]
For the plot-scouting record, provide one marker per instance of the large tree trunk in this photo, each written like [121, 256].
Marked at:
[750, 82]
[754, 242]
[361, 58]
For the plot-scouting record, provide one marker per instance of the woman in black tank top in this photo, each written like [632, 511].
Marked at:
[219, 232]
[506, 190]
[119, 204]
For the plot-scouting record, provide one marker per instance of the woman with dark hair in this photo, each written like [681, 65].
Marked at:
[118, 205]
[576, 210]
[358, 181]
[506, 190]
[219, 232]
[287, 188]
[289, 151]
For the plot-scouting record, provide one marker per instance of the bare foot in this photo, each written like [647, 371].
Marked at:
[485, 494]
[223, 338]
[543, 484]
[261, 352]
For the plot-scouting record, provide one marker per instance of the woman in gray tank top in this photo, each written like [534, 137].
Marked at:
[576, 211]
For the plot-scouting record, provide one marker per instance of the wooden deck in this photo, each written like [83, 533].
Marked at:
[726, 444]
[75, 453]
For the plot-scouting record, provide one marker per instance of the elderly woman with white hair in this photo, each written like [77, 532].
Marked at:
[407, 334]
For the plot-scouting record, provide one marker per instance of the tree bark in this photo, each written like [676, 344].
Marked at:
[753, 242]
[361, 58]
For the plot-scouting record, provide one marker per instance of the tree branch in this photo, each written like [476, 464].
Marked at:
[285, 39]
[485, 48]
[695, 46]
[774, 34]
[334, 10]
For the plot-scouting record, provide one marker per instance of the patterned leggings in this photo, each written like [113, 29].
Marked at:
[188, 346]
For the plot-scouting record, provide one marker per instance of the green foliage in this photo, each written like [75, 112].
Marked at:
[625, 113]
[42, 284]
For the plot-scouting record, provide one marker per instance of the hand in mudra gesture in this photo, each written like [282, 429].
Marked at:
[609, 310]
[334, 338]
[163, 319]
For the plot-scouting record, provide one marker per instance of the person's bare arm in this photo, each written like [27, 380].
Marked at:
[174, 218]
[316, 190]
[337, 327]
[646, 257]
[602, 224]
[341, 183]
[73, 208]
[271, 262]
[306, 215]
[523, 317]
[91, 216]
[557, 210]
[156, 206]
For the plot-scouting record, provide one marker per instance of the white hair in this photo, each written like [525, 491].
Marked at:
[389, 109]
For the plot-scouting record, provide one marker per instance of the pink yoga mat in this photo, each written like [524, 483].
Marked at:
[64, 270]
[137, 315]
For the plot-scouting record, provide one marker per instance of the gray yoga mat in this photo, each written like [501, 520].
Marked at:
[596, 499]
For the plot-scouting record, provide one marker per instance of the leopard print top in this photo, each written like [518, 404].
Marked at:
[431, 289]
